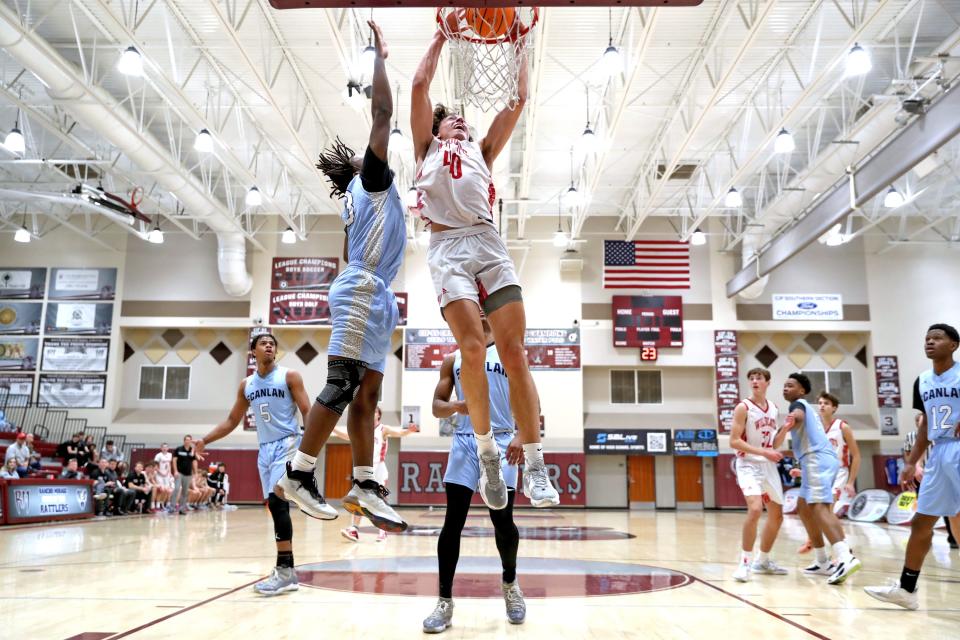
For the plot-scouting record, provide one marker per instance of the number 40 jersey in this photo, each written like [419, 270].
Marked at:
[272, 405]
[761, 427]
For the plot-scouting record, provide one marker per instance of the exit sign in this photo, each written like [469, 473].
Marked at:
[649, 354]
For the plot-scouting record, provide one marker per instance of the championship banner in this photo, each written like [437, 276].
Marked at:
[807, 306]
[20, 318]
[82, 284]
[65, 354]
[902, 508]
[727, 367]
[696, 442]
[421, 478]
[37, 500]
[869, 505]
[626, 441]
[888, 382]
[299, 307]
[26, 284]
[18, 354]
[547, 349]
[17, 385]
[78, 318]
[303, 273]
[73, 392]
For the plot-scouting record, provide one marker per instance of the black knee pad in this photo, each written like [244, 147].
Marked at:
[282, 525]
[343, 382]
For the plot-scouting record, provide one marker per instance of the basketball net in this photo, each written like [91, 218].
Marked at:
[487, 67]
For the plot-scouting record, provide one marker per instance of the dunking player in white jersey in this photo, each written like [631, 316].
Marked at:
[472, 270]
[756, 438]
[275, 394]
[381, 443]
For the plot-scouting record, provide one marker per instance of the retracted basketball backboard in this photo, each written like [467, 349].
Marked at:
[383, 4]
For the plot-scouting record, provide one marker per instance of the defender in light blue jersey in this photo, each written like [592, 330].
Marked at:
[818, 465]
[273, 395]
[936, 394]
[467, 471]
[364, 314]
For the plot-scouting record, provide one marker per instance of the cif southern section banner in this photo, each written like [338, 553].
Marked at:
[547, 349]
[627, 441]
[727, 367]
[421, 478]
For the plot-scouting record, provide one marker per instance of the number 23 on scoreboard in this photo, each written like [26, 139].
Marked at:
[649, 354]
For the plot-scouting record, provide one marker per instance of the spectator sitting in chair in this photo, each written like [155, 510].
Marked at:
[122, 497]
[20, 453]
[100, 489]
[71, 471]
[110, 452]
[9, 471]
[35, 456]
[159, 494]
[137, 482]
[69, 449]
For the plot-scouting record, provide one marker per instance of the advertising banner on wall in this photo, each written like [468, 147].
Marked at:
[547, 349]
[627, 441]
[869, 505]
[903, 508]
[82, 284]
[70, 354]
[35, 500]
[78, 318]
[421, 478]
[888, 381]
[18, 354]
[807, 306]
[695, 442]
[22, 283]
[73, 392]
[727, 368]
[303, 273]
[299, 307]
[20, 318]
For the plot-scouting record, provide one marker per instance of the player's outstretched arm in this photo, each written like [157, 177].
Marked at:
[299, 393]
[421, 108]
[226, 426]
[381, 100]
[400, 432]
[503, 124]
[442, 406]
[341, 433]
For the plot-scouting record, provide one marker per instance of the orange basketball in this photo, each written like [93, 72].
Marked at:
[491, 23]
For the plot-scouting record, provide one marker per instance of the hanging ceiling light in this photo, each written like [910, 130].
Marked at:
[367, 59]
[733, 199]
[353, 96]
[411, 198]
[254, 198]
[15, 142]
[22, 235]
[858, 62]
[893, 198]
[288, 237]
[588, 139]
[203, 142]
[571, 197]
[698, 238]
[559, 238]
[155, 236]
[784, 143]
[130, 63]
[397, 142]
[611, 60]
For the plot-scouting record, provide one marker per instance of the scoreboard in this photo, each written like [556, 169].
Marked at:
[647, 321]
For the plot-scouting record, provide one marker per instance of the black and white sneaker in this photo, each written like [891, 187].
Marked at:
[300, 487]
[367, 499]
[843, 570]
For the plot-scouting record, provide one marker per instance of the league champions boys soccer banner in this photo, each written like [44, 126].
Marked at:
[547, 349]
[727, 365]
[300, 290]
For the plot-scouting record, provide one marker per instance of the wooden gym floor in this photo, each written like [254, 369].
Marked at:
[587, 574]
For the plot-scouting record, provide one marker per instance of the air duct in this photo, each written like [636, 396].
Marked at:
[102, 113]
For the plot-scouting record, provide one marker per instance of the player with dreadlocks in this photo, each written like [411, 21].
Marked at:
[364, 314]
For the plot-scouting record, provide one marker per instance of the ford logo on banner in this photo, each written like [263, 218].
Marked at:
[807, 305]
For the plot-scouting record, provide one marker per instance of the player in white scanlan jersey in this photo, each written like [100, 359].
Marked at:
[472, 270]
[756, 438]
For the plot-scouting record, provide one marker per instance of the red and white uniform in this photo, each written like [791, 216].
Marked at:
[454, 184]
[756, 475]
[164, 473]
[839, 444]
[380, 445]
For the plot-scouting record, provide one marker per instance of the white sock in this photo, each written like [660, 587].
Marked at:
[363, 473]
[841, 551]
[763, 557]
[745, 557]
[821, 555]
[303, 462]
[486, 445]
[533, 453]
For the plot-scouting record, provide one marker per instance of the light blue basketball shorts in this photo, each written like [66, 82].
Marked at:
[463, 465]
[364, 313]
[940, 488]
[272, 461]
[819, 470]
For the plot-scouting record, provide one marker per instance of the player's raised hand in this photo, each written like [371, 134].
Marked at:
[772, 455]
[453, 24]
[378, 41]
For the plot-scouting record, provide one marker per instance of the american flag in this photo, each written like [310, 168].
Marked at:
[646, 264]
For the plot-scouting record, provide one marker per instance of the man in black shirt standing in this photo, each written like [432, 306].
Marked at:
[186, 464]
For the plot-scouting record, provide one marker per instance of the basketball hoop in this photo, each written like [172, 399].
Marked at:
[487, 47]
